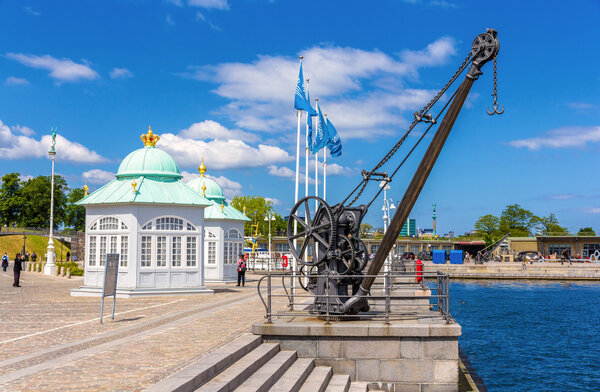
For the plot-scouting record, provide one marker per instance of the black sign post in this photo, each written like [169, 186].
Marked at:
[111, 272]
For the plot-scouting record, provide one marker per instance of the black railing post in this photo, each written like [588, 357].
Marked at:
[387, 296]
[269, 299]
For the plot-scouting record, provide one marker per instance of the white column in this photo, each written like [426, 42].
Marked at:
[49, 268]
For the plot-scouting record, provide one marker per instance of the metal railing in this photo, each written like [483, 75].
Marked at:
[386, 300]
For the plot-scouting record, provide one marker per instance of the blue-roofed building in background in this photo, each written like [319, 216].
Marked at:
[153, 220]
[223, 230]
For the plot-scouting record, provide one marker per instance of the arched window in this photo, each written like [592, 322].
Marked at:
[108, 223]
[233, 246]
[170, 245]
[169, 223]
[107, 235]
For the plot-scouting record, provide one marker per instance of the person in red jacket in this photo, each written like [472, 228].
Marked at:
[241, 270]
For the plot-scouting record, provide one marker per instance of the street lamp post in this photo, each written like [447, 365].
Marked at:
[24, 238]
[269, 218]
[388, 205]
[50, 267]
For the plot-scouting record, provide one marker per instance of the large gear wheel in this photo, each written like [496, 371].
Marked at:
[361, 256]
[313, 230]
[346, 254]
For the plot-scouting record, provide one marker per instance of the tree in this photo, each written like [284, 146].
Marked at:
[517, 221]
[10, 198]
[366, 229]
[586, 231]
[549, 226]
[74, 214]
[256, 208]
[487, 224]
[36, 201]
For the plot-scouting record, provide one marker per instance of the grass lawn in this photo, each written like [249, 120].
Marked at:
[13, 244]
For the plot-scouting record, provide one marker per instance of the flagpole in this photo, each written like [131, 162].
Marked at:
[306, 176]
[317, 165]
[325, 171]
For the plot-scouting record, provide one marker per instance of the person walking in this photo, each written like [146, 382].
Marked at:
[241, 270]
[4, 262]
[17, 270]
[33, 256]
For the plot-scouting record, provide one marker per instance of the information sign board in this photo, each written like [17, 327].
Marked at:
[111, 273]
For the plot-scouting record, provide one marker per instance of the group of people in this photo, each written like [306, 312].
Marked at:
[17, 267]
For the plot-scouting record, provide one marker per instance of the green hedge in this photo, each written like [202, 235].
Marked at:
[73, 266]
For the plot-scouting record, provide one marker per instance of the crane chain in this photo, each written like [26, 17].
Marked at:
[422, 112]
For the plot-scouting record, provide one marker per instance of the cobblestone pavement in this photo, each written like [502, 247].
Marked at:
[50, 341]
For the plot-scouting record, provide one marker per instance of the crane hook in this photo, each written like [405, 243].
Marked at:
[495, 106]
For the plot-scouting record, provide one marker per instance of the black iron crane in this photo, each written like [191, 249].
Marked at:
[330, 250]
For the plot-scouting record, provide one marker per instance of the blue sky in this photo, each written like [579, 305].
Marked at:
[216, 78]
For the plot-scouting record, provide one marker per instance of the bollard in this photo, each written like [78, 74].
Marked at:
[62, 272]
[39, 269]
[68, 273]
[29, 268]
[57, 271]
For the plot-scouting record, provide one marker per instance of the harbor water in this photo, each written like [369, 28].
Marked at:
[530, 335]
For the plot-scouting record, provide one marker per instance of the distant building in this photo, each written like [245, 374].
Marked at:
[410, 228]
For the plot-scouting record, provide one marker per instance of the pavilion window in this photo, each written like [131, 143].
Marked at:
[113, 244]
[161, 251]
[102, 250]
[146, 251]
[176, 252]
[212, 252]
[124, 250]
[191, 252]
[92, 251]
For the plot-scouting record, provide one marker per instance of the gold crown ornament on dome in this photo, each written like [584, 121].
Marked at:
[85, 189]
[149, 139]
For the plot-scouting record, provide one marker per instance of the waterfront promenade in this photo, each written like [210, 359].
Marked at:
[50, 341]
[514, 270]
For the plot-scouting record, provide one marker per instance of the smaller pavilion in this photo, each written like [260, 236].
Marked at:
[223, 230]
[154, 222]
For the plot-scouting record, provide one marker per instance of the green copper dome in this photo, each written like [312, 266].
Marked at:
[207, 187]
[149, 161]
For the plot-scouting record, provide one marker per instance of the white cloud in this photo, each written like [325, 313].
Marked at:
[25, 177]
[209, 4]
[567, 137]
[209, 129]
[122, 73]
[333, 169]
[64, 70]
[14, 81]
[230, 188]
[274, 201]
[97, 176]
[581, 106]
[221, 154]
[15, 146]
[23, 130]
[31, 11]
[592, 210]
[169, 20]
[361, 90]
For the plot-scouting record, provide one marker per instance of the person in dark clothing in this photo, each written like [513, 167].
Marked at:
[68, 256]
[4, 262]
[33, 257]
[241, 270]
[17, 270]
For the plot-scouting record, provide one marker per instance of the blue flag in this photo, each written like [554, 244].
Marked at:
[335, 143]
[322, 136]
[300, 101]
[309, 123]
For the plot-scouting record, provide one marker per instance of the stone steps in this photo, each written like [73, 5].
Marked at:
[318, 379]
[249, 365]
[232, 377]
